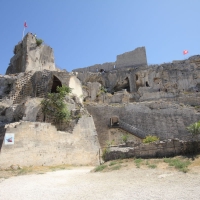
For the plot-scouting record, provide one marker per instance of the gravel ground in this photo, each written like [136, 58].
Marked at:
[80, 183]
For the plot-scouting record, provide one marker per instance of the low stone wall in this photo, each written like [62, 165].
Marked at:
[40, 144]
[160, 149]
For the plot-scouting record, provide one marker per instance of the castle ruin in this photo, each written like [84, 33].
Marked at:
[107, 101]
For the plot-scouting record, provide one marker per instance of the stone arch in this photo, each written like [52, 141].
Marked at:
[56, 82]
[114, 121]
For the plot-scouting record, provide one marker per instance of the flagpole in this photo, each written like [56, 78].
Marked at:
[23, 33]
[24, 30]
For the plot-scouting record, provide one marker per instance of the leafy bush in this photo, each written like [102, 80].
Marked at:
[150, 138]
[194, 129]
[54, 105]
[39, 41]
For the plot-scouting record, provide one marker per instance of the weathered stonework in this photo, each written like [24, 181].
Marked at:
[133, 58]
[41, 144]
[163, 119]
[125, 97]
[167, 148]
[30, 57]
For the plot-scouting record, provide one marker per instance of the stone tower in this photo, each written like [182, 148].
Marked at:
[31, 57]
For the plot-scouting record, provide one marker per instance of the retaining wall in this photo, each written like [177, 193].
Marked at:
[153, 150]
[41, 144]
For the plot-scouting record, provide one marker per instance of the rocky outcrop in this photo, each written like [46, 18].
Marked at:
[41, 144]
[172, 81]
[31, 56]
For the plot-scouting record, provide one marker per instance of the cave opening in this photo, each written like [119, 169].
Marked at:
[147, 84]
[123, 85]
[56, 83]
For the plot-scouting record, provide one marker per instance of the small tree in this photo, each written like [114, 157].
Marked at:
[55, 106]
[194, 129]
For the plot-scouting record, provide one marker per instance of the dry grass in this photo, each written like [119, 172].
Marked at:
[193, 167]
[178, 163]
[31, 170]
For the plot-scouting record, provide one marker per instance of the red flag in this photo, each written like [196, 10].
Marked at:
[25, 25]
[185, 52]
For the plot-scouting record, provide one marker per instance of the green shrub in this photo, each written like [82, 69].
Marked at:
[105, 151]
[125, 138]
[112, 163]
[152, 166]
[54, 105]
[150, 138]
[116, 167]
[100, 168]
[39, 41]
[178, 164]
[138, 162]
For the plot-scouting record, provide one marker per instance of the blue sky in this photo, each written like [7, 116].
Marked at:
[88, 32]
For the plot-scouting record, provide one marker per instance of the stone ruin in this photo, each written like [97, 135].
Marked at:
[125, 97]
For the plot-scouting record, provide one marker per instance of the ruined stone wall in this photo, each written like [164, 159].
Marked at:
[28, 56]
[96, 68]
[153, 150]
[132, 59]
[36, 84]
[178, 81]
[163, 119]
[41, 144]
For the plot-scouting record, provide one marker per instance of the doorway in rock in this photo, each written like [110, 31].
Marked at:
[56, 82]
[122, 85]
[114, 121]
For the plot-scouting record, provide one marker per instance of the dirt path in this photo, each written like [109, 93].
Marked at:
[80, 183]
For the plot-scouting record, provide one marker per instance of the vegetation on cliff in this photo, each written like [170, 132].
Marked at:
[54, 105]
[150, 138]
[39, 41]
[194, 129]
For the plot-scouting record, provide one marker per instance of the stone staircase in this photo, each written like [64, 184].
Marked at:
[22, 88]
[131, 129]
